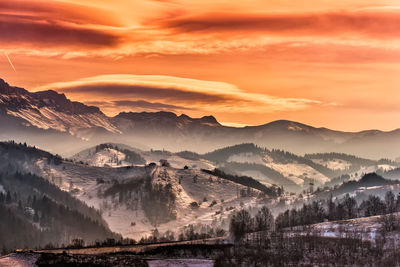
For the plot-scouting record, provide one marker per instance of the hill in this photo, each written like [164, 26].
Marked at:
[133, 200]
[368, 180]
[110, 155]
[270, 167]
[35, 212]
[293, 172]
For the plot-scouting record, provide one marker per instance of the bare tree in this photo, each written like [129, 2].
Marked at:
[240, 224]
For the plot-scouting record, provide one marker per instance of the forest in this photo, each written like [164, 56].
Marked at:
[36, 213]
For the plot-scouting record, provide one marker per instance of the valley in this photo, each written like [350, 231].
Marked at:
[137, 191]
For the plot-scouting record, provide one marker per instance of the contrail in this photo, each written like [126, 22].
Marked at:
[9, 60]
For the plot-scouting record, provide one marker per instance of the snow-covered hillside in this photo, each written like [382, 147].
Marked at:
[294, 172]
[108, 157]
[247, 157]
[334, 164]
[252, 161]
[176, 161]
[215, 198]
[114, 155]
[299, 173]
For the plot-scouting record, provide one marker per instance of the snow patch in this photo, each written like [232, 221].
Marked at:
[298, 172]
[246, 158]
[19, 260]
[386, 167]
[334, 164]
[2, 190]
[47, 118]
[176, 161]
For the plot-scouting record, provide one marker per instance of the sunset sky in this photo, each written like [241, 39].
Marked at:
[325, 63]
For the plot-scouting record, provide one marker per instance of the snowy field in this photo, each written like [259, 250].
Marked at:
[294, 171]
[334, 164]
[298, 172]
[246, 158]
[19, 260]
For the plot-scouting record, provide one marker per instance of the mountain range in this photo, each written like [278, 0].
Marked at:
[44, 118]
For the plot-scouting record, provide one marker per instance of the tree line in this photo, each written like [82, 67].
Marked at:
[246, 181]
[35, 213]
[242, 222]
[348, 208]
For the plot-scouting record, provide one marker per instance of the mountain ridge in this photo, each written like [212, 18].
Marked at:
[207, 118]
[50, 110]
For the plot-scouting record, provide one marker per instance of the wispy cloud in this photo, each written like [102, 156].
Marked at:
[145, 105]
[71, 29]
[136, 106]
[376, 24]
[141, 92]
[32, 31]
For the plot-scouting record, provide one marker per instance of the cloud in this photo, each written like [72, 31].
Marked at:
[35, 32]
[148, 92]
[43, 24]
[136, 105]
[59, 11]
[234, 124]
[163, 92]
[141, 104]
[383, 24]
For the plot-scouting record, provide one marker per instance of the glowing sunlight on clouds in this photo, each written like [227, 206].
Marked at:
[183, 92]
[316, 61]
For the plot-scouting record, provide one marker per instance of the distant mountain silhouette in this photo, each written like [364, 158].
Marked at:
[45, 118]
[15, 98]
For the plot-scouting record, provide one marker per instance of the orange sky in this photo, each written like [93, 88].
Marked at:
[325, 63]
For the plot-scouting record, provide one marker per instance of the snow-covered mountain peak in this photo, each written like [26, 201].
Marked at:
[61, 103]
[51, 110]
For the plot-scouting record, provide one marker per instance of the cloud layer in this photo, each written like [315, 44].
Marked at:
[151, 92]
[372, 24]
[85, 29]
[136, 105]
[32, 32]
